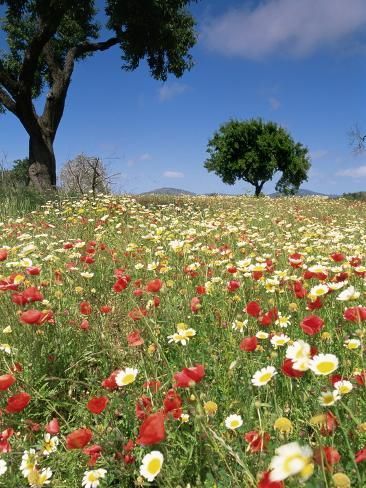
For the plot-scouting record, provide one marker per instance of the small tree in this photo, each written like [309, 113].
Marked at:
[254, 151]
[84, 174]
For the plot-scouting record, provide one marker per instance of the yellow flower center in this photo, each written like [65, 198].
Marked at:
[265, 377]
[294, 463]
[128, 378]
[326, 367]
[154, 466]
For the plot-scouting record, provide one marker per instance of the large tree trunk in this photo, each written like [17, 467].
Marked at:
[42, 169]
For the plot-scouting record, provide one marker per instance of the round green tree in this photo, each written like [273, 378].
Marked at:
[254, 151]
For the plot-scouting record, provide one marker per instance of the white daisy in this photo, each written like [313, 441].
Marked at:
[126, 376]
[151, 465]
[92, 478]
[291, 459]
[263, 376]
[233, 421]
[324, 364]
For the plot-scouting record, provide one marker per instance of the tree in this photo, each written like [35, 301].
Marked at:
[254, 151]
[15, 177]
[47, 37]
[84, 174]
[357, 139]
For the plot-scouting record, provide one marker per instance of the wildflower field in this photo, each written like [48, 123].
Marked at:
[195, 342]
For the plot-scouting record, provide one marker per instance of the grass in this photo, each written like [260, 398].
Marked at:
[112, 266]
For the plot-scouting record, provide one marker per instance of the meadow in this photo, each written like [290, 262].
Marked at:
[183, 342]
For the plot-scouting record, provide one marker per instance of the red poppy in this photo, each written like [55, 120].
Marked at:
[78, 438]
[330, 424]
[31, 316]
[249, 344]
[232, 269]
[33, 270]
[338, 257]
[355, 314]
[233, 285]
[6, 380]
[53, 427]
[84, 325]
[4, 442]
[265, 482]
[154, 286]
[85, 308]
[299, 290]
[314, 305]
[105, 309]
[110, 382]
[257, 440]
[3, 254]
[253, 309]
[335, 377]
[97, 404]
[288, 369]
[355, 261]
[143, 407]
[361, 378]
[134, 339]
[152, 430]
[326, 455]
[18, 402]
[32, 294]
[120, 285]
[195, 304]
[269, 317]
[173, 404]
[295, 260]
[312, 324]
[360, 455]
[189, 376]
[94, 452]
[201, 290]
[137, 313]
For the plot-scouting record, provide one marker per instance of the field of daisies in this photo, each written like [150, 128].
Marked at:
[202, 342]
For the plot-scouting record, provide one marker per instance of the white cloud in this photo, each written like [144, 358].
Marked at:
[274, 103]
[295, 27]
[173, 174]
[171, 90]
[142, 157]
[359, 172]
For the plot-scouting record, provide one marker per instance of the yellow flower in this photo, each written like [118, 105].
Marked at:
[210, 408]
[362, 427]
[341, 480]
[293, 307]
[283, 425]
[326, 336]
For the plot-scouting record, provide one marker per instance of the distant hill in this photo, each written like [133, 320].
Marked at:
[168, 191]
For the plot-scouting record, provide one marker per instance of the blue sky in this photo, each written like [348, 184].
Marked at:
[301, 63]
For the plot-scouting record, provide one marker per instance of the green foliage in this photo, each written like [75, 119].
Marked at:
[358, 195]
[254, 151]
[162, 31]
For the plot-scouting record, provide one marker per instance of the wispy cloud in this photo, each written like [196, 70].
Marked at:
[318, 154]
[359, 172]
[143, 157]
[294, 27]
[171, 90]
[274, 103]
[173, 174]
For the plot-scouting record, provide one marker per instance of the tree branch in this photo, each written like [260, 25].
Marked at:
[7, 81]
[7, 101]
[48, 27]
[84, 48]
